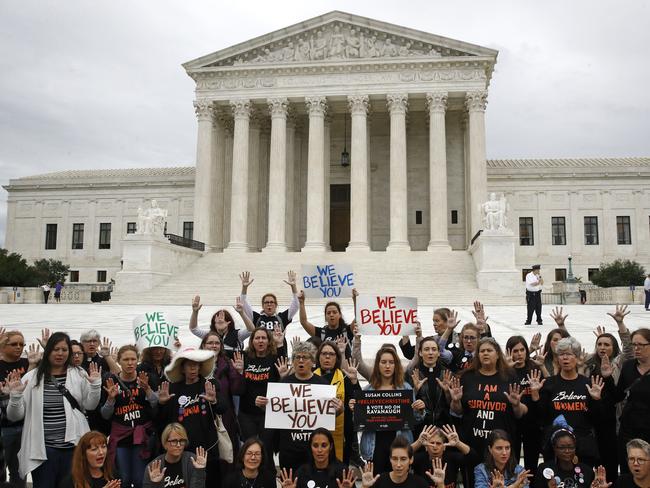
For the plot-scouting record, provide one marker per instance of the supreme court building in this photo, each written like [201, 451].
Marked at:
[342, 133]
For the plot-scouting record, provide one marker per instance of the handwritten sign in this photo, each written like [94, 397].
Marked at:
[155, 329]
[383, 410]
[327, 280]
[300, 406]
[386, 315]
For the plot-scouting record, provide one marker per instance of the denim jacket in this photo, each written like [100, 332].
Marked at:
[482, 477]
[367, 445]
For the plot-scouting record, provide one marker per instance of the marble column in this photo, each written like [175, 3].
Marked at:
[475, 103]
[359, 173]
[255, 132]
[437, 106]
[205, 172]
[290, 211]
[327, 144]
[239, 198]
[397, 106]
[316, 107]
[216, 240]
[277, 238]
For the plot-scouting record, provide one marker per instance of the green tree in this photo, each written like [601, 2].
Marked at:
[621, 272]
[14, 270]
[50, 271]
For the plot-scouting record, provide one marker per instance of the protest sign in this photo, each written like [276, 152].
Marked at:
[155, 329]
[386, 315]
[383, 410]
[327, 280]
[300, 406]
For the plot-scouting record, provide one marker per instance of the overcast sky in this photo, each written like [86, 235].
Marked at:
[99, 84]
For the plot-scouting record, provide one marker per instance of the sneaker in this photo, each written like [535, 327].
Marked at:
[526, 323]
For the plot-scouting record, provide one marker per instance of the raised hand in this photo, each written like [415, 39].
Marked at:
[14, 383]
[239, 307]
[33, 354]
[619, 314]
[497, 479]
[600, 478]
[425, 435]
[452, 320]
[600, 330]
[294, 341]
[417, 382]
[201, 459]
[535, 380]
[301, 297]
[522, 479]
[596, 388]
[237, 362]
[286, 478]
[452, 436]
[479, 315]
[539, 358]
[535, 342]
[196, 304]
[114, 351]
[513, 394]
[278, 336]
[418, 405]
[367, 479]
[105, 349]
[210, 394]
[508, 357]
[557, 315]
[282, 365]
[156, 471]
[246, 279]
[143, 382]
[347, 479]
[342, 343]
[349, 368]
[163, 393]
[418, 328]
[446, 380]
[606, 366]
[437, 473]
[455, 390]
[111, 389]
[45, 336]
[94, 372]
[291, 280]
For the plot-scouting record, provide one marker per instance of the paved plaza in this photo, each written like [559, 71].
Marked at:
[114, 321]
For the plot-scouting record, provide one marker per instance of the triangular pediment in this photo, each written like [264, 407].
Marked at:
[338, 37]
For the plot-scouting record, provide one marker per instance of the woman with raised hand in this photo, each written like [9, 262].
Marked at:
[571, 396]
[335, 325]
[53, 398]
[499, 467]
[153, 361]
[323, 468]
[269, 317]
[399, 474]
[228, 373]
[223, 324]
[387, 374]
[249, 471]
[129, 403]
[178, 467]
[442, 446]
[91, 467]
[464, 356]
[194, 401]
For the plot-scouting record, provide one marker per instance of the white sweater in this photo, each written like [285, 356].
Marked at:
[28, 405]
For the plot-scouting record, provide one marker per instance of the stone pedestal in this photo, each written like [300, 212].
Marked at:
[494, 259]
[569, 290]
[148, 260]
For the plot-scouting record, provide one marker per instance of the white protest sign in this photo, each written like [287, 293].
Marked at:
[386, 315]
[327, 280]
[155, 329]
[300, 406]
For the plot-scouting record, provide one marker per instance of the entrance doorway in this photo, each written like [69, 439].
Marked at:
[339, 217]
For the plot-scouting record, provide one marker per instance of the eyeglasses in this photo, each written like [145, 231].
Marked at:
[177, 442]
[253, 454]
[566, 448]
[639, 461]
[637, 345]
[469, 338]
[14, 344]
[77, 353]
[300, 357]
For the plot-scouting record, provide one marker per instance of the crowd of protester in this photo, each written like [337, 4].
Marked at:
[85, 414]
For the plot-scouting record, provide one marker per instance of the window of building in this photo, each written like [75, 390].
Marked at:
[418, 217]
[105, 235]
[524, 272]
[74, 276]
[454, 216]
[591, 272]
[50, 236]
[560, 274]
[591, 231]
[101, 276]
[77, 236]
[526, 231]
[623, 230]
[188, 230]
[558, 231]
[131, 228]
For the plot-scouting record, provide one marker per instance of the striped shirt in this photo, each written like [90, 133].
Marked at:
[54, 420]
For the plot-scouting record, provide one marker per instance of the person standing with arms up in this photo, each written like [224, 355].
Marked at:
[534, 282]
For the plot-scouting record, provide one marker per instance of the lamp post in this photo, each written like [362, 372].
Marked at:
[570, 277]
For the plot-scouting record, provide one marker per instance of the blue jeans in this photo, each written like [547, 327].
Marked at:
[51, 472]
[130, 466]
[11, 442]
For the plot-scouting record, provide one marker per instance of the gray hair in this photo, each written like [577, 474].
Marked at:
[304, 348]
[638, 444]
[568, 344]
[91, 334]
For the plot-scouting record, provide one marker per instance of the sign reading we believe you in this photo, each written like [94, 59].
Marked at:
[327, 280]
[155, 329]
[386, 315]
[300, 406]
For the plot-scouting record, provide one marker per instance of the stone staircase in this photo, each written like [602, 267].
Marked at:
[436, 278]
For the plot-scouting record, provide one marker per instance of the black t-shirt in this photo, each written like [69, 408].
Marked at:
[131, 405]
[636, 411]
[485, 407]
[625, 481]
[156, 377]
[327, 334]
[98, 360]
[311, 477]
[258, 372]
[173, 475]
[411, 481]
[6, 367]
[238, 480]
[261, 320]
[581, 475]
[451, 457]
[297, 441]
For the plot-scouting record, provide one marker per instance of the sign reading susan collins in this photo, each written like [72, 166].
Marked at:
[383, 410]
